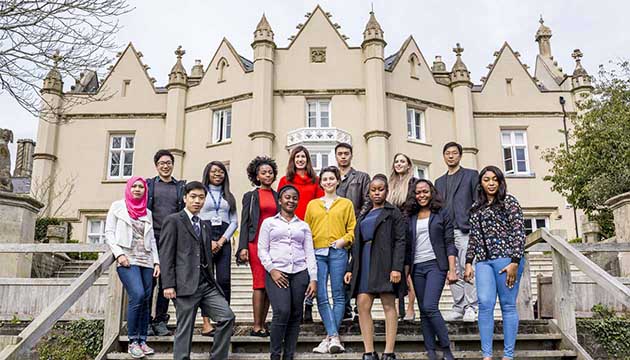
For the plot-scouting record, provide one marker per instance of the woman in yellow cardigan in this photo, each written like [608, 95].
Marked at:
[332, 222]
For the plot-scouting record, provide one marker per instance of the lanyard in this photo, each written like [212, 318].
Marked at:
[217, 204]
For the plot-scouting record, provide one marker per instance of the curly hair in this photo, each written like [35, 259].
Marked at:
[411, 204]
[256, 163]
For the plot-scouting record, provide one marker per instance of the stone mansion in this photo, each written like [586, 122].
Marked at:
[316, 92]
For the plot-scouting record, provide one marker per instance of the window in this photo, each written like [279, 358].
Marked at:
[322, 159]
[534, 223]
[96, 231]
[222, 125]
[515, 157]
[415, 124]
[318, 113]
[120, 163]
[421, 171]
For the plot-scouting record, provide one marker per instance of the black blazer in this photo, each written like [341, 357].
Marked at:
[250, 215]
[180, 254]
[465, 196]
[440, 234]
[388, 252]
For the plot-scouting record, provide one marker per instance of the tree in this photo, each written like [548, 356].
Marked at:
[33, 34]
[597, 165]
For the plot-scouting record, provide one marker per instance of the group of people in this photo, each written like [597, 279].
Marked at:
[365, 237]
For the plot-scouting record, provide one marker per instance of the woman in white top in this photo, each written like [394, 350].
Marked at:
[129, 234]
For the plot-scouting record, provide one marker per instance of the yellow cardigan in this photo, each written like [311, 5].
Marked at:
[332, 224]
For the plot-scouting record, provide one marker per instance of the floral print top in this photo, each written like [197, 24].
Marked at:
[497, 232]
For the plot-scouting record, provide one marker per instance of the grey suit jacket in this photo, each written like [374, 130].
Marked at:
[180, 254]
[465, 196]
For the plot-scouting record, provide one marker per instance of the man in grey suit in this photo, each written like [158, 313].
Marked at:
[188, 277]
[458, 188]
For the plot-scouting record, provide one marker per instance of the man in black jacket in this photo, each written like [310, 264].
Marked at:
[458, 188]
[354, 186]
[165, 197]
[188, 278]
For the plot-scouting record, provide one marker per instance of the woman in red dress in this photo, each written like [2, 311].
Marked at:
[300, 173]
[258, 204]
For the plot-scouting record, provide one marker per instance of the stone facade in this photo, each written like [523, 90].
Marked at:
[315, 91]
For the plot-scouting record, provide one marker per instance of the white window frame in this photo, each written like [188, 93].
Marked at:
[513, 146]
[533, 219]
[124, 152]
[417, 167]
[412, 125]
[318, 113]
[89, 234]
[221, 125]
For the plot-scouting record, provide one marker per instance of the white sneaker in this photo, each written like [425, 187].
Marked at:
[335, 346]
[470, 315]
[453, 316]
[322, 348]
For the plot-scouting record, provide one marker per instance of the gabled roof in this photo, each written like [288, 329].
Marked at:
[393, 60]
[246, 65]
[502, 52]
[312, 14]
[135, 53]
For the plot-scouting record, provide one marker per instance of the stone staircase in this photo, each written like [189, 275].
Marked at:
[537, 339]
[73, 269]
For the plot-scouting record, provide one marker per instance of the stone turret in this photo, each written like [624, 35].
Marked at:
[459, 74]
[175, 111]
[580, 79]
[461, 86]
[262, 135]
[53, 82]
[543, 38]
[373, 31]
[263, 31]
[373, 47]
[178, 75]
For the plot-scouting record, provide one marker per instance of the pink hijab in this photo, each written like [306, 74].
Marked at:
[136, 207]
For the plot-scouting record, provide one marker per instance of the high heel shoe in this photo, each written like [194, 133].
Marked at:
[370, 356]
[389, 356]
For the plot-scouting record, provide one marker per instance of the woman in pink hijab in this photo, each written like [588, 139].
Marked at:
[129, 234]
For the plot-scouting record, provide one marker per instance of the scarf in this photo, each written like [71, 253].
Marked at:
[136, 207]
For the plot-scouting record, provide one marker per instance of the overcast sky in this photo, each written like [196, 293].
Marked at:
[599, 28]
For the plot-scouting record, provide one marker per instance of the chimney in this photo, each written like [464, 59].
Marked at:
[24, 158]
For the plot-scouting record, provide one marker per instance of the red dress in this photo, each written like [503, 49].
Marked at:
[267, 209]
[307, 189]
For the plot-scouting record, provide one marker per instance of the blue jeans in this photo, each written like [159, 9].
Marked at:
[138, 282]
[428, 283]
[334, 265]
[489, 284]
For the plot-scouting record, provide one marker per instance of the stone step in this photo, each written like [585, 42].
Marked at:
[522, 354]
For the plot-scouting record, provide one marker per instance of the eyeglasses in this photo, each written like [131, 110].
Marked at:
[217, 172]
[165, 163]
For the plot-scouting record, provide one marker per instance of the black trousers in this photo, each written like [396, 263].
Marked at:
[161, 304]
[221, 261]
[287, 313]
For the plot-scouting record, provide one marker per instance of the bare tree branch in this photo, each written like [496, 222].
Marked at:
[31, 32]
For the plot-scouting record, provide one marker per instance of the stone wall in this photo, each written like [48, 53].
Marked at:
[45, 265]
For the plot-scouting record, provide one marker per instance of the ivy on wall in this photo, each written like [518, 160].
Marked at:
[73, 340]
[611, 332]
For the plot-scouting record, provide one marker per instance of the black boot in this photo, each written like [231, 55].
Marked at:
[389, 356]
[370, 356]
[431, 354]
[448, 355]
[308, 314]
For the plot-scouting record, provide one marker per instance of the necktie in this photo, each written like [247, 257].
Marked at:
[196, 227]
